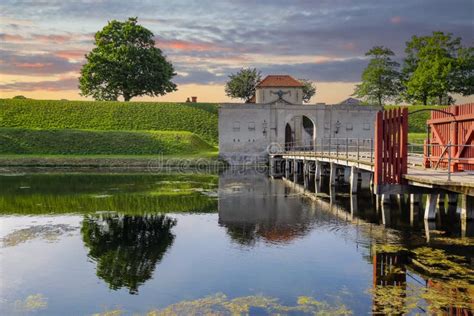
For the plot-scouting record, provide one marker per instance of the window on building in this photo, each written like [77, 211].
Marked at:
[236, 126]
[251, 126]
[366, 127]
[349, 127]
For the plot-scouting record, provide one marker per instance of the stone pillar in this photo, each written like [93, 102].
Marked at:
[317, 176]
[347, 174]
[287, 169]
[431, 206]
[295, 170]
[354, 179]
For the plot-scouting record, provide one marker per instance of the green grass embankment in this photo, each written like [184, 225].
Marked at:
[197, 118]
[94, 142]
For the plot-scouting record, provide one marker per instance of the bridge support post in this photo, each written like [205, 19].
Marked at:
[415, 200]
[385, 214]
[467, 207]
[366, 178]
[431, 205]
[452, 198]
[354, 209]
[295, 171]
[347, 174]
[354, 179]
[305, 175]
[332, 174]
[317, 176]
[287, 169]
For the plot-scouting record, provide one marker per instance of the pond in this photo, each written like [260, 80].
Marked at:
[234, 243]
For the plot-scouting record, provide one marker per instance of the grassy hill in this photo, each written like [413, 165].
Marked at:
[198, 118]
[96, 142]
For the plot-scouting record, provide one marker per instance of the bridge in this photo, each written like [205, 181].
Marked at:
[387, 164]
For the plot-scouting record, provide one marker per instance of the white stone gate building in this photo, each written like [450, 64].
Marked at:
[278, 119]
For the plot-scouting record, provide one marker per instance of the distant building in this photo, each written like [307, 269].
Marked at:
[277, 118]
[351, 101]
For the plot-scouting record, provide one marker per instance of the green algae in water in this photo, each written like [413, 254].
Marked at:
[31, 303]
[220, 304]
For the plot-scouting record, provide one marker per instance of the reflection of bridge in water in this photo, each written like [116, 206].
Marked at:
[281, 218]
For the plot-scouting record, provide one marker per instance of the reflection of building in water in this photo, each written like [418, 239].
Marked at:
[440, 291]
[252, 206]
[127, 248]
[389, 279]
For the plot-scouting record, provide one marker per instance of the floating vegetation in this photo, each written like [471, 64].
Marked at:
[220, 304]
[438, 263]
[437, 298]
[31, 303]
[389, 248]
[465, 241]
[46, 232]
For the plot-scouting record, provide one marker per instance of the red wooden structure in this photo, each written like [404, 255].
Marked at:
[391, 139]
[451, 138]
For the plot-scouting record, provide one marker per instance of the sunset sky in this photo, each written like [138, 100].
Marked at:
[43, 42]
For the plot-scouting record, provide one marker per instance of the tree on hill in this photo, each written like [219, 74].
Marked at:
[381, 79]
[309, 90]
[435, 66]
[19, 97]
[242, 85]
[125, 62]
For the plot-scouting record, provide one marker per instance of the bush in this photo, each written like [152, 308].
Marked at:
[198, 118]
[89, 142]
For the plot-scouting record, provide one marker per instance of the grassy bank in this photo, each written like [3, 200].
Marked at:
[417, 121]
[95, 142]
[198, 118]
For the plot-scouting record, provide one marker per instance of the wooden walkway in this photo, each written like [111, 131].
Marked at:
[459, 182]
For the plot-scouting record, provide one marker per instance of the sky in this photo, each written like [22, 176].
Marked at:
[43, 42]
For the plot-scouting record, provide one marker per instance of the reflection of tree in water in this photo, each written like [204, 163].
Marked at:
[127, 248]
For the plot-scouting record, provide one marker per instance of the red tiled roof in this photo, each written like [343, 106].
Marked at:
[279, 81]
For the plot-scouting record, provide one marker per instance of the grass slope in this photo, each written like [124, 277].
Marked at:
[90, 142]
[198, 118]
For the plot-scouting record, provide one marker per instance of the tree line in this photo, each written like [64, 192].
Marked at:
[434, 67]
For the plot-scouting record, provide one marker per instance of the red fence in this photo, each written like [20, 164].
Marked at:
[391, 139]
[451, 141]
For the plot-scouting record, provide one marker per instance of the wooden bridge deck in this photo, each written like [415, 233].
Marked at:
[460, 182]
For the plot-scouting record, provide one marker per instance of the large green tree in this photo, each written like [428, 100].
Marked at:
[435, 66]
[125, 62]
[381, 79]
[242, 84]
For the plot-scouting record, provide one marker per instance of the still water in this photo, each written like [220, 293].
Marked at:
[121, 244]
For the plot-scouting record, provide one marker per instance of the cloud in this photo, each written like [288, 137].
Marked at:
[13, 63]
[396, 19]
[50, 85]
[181, 45]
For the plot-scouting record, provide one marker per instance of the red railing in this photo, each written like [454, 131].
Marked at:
[391, 140]
[451, 139]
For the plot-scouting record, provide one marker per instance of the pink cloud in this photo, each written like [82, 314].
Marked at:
[349, 46]
[33, 65]
[71, 54]
[187, 45]
[12, 38]
[396, 19]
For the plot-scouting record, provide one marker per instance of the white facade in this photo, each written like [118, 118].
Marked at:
[247, 131]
